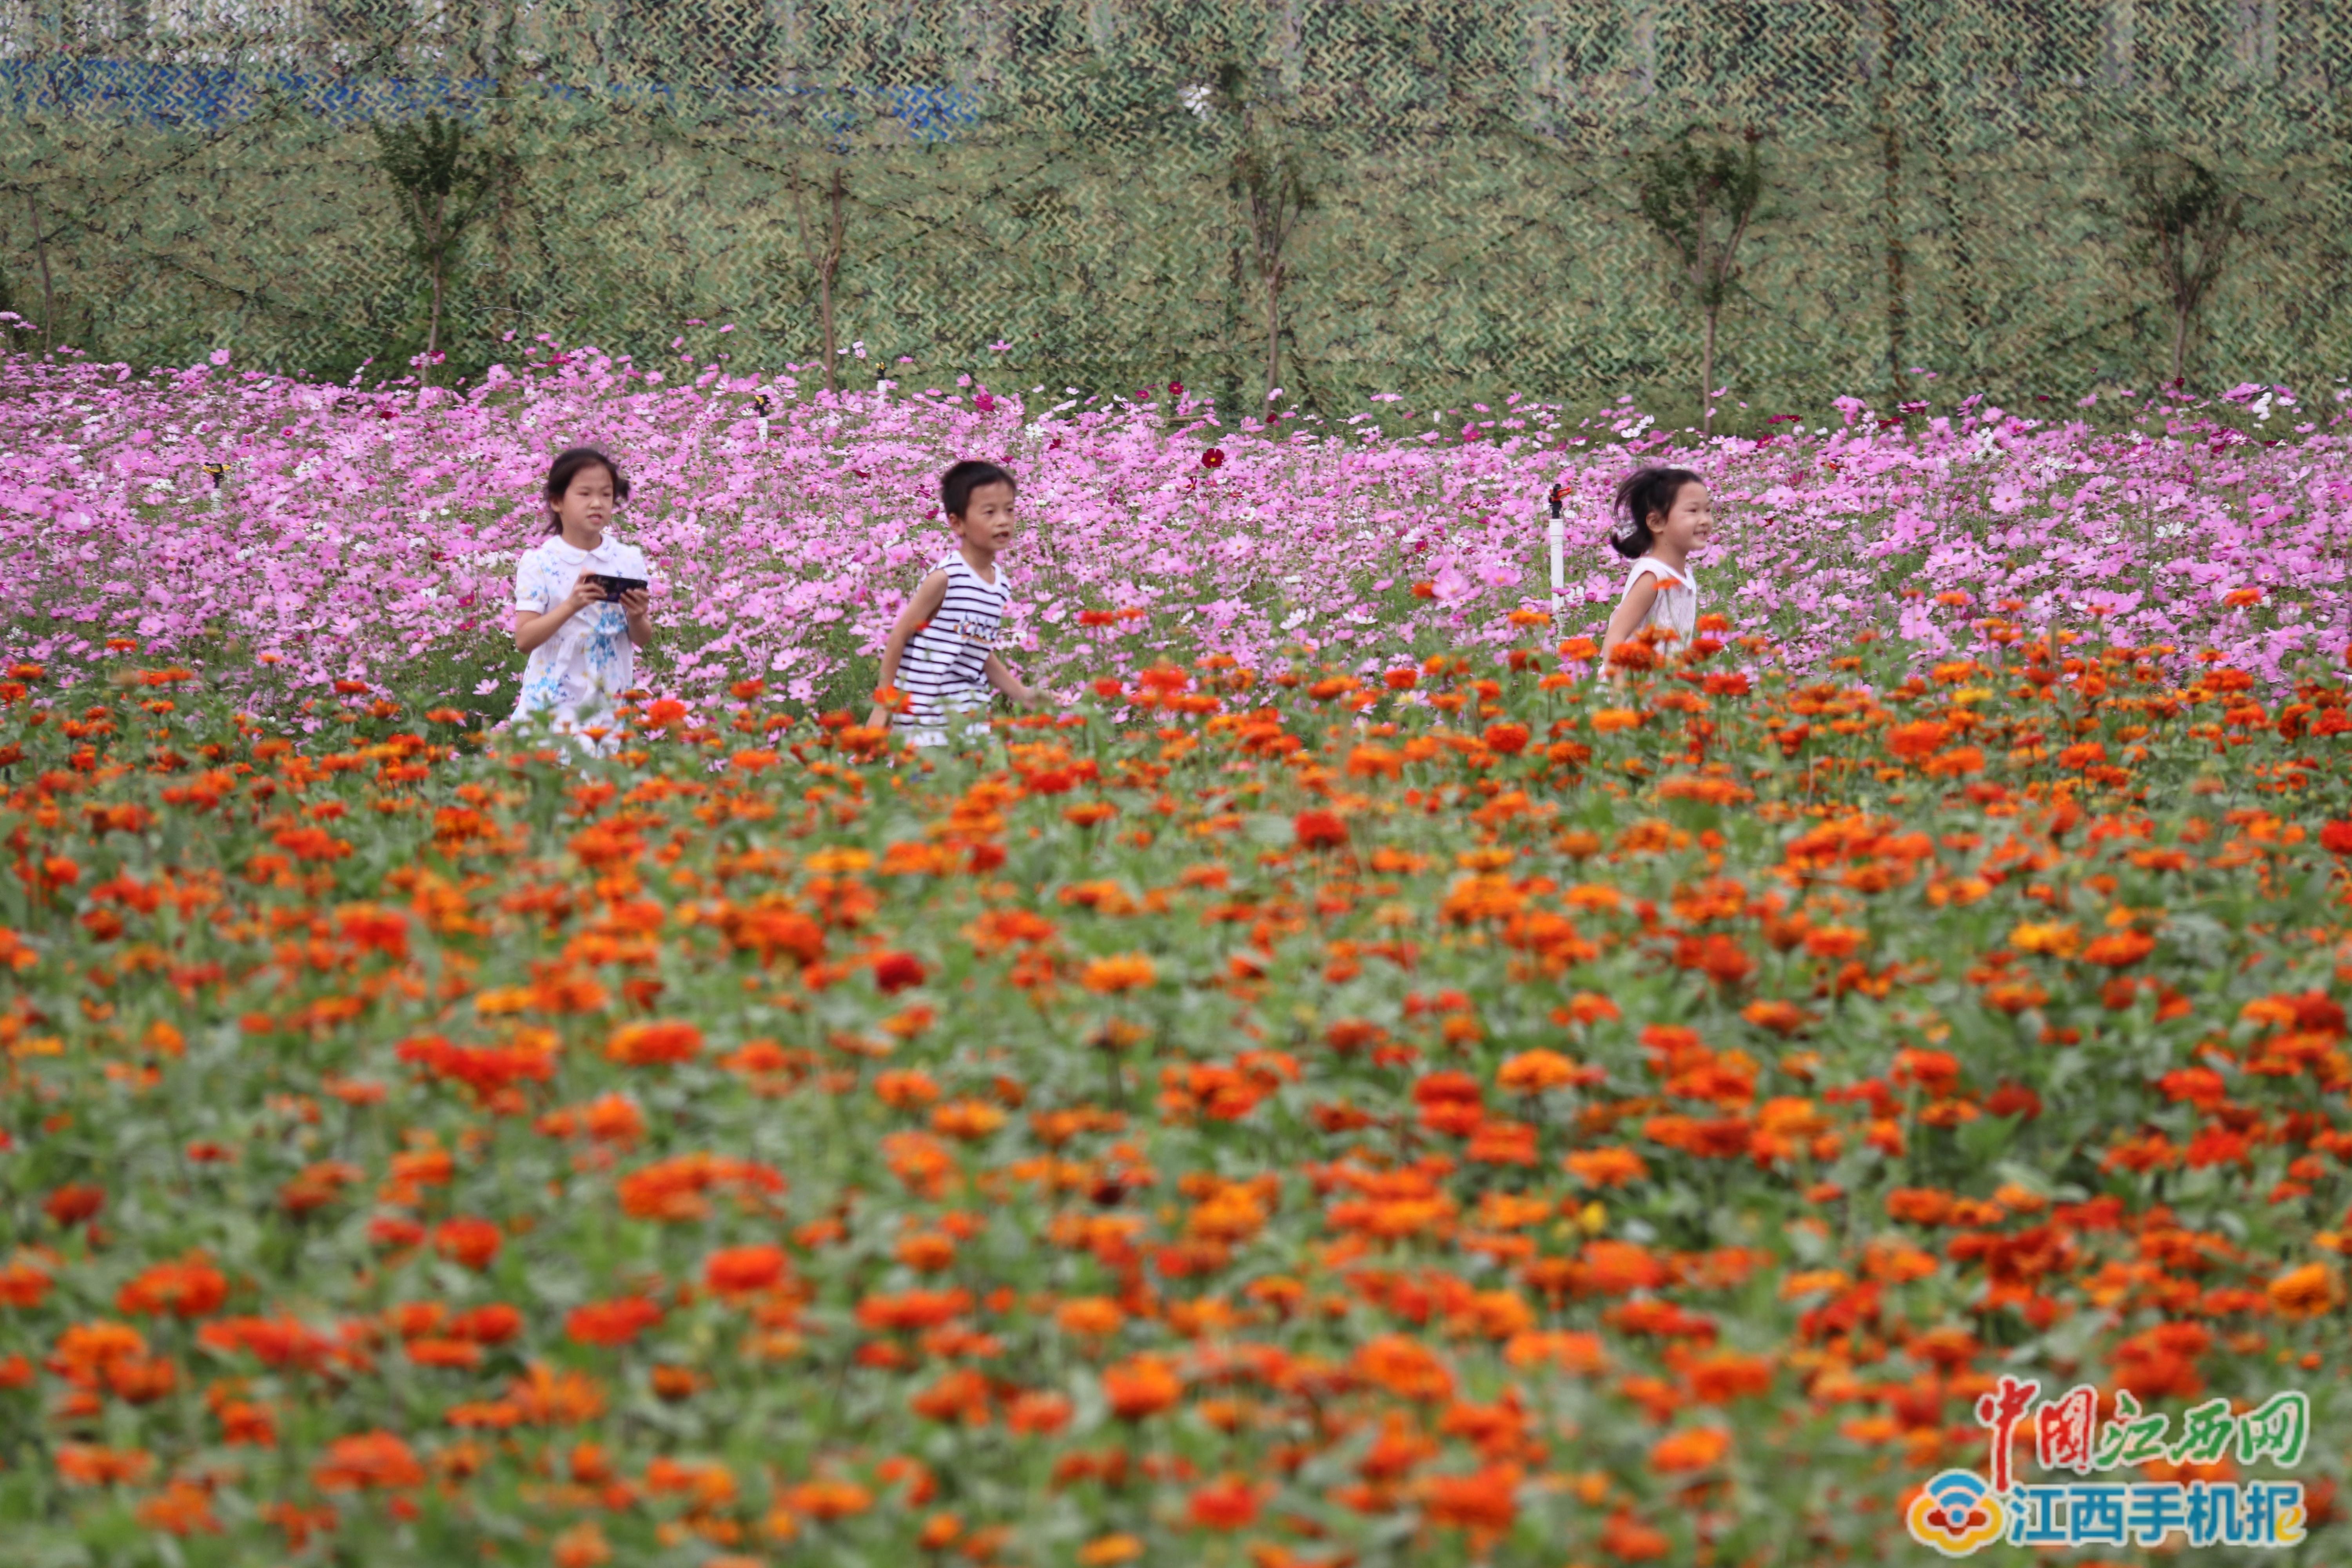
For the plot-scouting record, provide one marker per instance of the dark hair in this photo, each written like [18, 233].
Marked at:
[566, 468]
[1646, 492]
[958, 483]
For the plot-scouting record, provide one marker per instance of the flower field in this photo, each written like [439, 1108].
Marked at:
[279, 535]
[1272, 1114]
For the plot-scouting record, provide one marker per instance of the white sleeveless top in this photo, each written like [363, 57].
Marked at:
[944, 669]
[1675, 605]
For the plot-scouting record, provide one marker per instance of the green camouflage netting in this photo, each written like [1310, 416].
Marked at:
[1945, 186]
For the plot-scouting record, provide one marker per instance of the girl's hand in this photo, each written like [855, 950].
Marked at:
[586, 591]
[636, 602]
[878, 719]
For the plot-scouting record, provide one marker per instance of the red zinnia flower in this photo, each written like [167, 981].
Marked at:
[611, 1323]
[1230, 1503]
[473, 1243]
[1319, 830]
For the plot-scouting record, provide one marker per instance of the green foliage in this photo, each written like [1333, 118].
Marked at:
[442, 181]
[1700, 193]
[2187, 217]
[1030, 173]
[432, 165]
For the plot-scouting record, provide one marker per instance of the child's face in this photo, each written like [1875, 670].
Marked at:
[1691, 521]
[587, 506]
[988, 521]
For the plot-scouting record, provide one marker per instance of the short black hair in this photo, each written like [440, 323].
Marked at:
[1646, 492]
[958, 483]
[567, 467]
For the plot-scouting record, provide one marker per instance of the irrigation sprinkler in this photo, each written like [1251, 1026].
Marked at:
[1558, 544]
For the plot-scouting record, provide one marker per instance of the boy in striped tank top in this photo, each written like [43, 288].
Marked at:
[941, 654]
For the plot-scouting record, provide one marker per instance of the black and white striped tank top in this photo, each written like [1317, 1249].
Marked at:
[944, 669]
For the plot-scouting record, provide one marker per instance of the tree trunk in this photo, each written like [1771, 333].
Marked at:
[1706, 375]
[433, 324]
[1890, 157]
[829, 264]
[49, 294]
[825, 320]
[1898, 303]
[2180, 344]
[1272, 332]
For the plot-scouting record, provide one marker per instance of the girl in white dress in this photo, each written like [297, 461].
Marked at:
[581, 640]
[1663, 514]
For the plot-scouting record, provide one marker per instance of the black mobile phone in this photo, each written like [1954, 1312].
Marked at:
[616, 586]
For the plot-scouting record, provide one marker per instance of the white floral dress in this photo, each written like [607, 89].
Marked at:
[575, 675]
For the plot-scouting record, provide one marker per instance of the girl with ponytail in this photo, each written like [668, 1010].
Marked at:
[1662, 515]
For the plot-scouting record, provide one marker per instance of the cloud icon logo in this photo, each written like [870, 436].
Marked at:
[1956, 1513]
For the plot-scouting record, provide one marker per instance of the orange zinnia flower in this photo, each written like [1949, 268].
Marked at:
[825, 1499]
[87, 1465]
[1485, 1501]
[1040, 1413]
[1693, 1449]
[2306, 1292]
[1121, 971]
[86, 1350]
[188, 1288]
[1230, 1503]
[369, 1460]
[1405, 1367]
[926, 1251]
[913, 1310]
[1726, 1375]
[1628, 1540]
[653, 1045]
[1618, 1267]
[582, 1545]
[906, 1091]
[611, 1323]
[1567, 1350]
[1610, 1167]
[1089, 1315]
[1142, 1387]
[1319, 830]
[1532, 1072]
[180, 1508]
[473, 1243]
[549, 1398]
[741, 1270]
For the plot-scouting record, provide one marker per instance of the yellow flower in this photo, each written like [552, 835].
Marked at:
[2052, 939]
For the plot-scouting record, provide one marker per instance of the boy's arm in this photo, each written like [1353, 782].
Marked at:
[1001, 677]
[929, 594]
